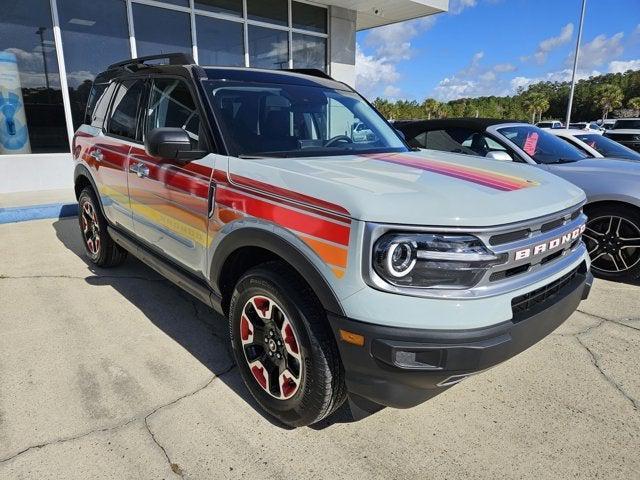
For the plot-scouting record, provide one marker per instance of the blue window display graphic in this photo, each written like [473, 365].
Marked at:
[14, 134]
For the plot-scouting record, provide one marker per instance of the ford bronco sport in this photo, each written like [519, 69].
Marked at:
[348, 268]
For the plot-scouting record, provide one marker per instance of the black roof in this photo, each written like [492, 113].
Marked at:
[414, 127]
[183, 64]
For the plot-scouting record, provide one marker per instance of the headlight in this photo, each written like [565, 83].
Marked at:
[446, 261]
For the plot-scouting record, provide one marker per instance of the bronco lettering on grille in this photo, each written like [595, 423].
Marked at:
[550, 245]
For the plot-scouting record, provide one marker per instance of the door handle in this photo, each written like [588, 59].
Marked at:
[97, 155]
[139, 169]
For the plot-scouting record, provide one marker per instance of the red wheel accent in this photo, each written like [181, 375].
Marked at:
[262, 305]
[258, 374]
[290, 339]
[245, 329]
[288, 385]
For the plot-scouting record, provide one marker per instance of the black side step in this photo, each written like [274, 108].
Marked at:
[171, 272]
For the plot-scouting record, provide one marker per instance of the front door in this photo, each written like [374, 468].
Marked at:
[170, 198]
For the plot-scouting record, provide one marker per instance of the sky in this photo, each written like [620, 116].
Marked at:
[492, 47]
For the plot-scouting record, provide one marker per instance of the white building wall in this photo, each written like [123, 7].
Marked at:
[342, 44]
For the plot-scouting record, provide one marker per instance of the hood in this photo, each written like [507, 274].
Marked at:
[416, 188]
[624, 131]
[604, 165]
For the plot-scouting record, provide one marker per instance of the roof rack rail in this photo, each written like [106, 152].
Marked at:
[174, 59]
[314, 72]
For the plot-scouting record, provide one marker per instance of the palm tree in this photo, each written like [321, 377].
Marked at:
[634, 104]
[610, 97]
[536, 104]
[542, 105]
[430, 107]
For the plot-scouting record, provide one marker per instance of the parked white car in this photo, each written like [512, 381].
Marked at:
[587, 126]
[550, 124]
[595, 144]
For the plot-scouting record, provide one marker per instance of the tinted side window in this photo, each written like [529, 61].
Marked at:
[456, 140]
[172, 105]
[124, 112]
[97, 114]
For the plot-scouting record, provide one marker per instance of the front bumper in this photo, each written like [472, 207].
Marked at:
[403, 367]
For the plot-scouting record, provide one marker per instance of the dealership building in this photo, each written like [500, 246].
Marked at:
[50, 51]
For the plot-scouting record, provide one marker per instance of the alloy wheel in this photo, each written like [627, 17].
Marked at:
[90, 228]
[271, 347]
[613, 243]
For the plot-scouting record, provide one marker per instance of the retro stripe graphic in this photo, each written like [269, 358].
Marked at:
[479, 176]
[325, 232]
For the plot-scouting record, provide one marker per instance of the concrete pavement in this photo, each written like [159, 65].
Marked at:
[118, 374]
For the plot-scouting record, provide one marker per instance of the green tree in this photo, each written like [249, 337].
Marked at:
[430, 107]
[634, 103]
[610, 96]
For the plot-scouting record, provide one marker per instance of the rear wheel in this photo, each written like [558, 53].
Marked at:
[100, 248]
[284, 349]
[612, 238]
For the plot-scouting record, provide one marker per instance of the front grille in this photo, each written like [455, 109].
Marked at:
[509, 237]
[526, 302]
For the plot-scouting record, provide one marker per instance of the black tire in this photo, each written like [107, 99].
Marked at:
[609, 234]
[321, 389]
[99, 246]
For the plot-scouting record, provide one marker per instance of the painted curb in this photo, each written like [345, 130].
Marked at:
[38, 212]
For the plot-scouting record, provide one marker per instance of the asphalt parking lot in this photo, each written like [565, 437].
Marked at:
[119, 374]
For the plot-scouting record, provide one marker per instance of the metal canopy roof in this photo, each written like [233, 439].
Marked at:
[377, 12]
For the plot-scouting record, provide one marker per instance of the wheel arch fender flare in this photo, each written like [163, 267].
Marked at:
[254, 236]
[82, 171]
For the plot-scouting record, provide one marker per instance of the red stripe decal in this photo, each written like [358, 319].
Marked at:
[286, 217]
[488, 179]
[289, 194]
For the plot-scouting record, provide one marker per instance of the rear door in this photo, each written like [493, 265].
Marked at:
[170, 198]
[114, 126]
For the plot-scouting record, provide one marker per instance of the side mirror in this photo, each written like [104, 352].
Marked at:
[499, 155]
[171, 144]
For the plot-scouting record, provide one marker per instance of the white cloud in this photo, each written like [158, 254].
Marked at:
[393, 42]
[555, 76]
[392, 91]
[372, 72]
[504, 67]
[599, 51]
[549, 44]
[475, 80]
[621, 66]
[457, 6]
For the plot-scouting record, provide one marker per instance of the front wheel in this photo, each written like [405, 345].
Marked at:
[283, 346]
[612, 238]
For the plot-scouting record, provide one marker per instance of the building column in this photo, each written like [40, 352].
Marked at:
[342, 44]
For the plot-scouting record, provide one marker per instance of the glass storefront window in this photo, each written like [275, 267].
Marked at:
[220, 42]
[87, 28]
[309, 52]
[229, 7]
[31, 113]
[159, 30]
[268, 48]
[309, 17]
[270, 11]
[182, 3]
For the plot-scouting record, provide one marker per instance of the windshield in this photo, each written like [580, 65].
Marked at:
[608, 147]
[542, 146]
[620, 124]
[278, 120]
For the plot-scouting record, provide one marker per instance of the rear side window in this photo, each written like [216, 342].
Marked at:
[124, 112]
[99, 104]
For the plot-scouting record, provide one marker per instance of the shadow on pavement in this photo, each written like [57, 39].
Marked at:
[196, 327]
